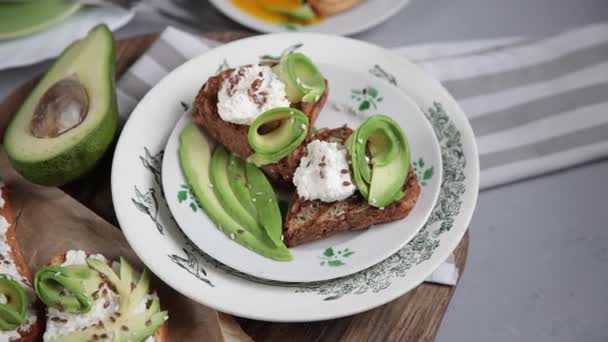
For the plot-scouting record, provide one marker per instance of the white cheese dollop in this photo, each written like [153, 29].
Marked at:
[248, 92]
[323, 173]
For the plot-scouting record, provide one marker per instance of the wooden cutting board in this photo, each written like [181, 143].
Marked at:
[415, 316]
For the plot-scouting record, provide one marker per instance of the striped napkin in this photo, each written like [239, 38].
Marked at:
[536, 105]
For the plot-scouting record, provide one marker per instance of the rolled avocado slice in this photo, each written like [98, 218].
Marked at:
[265, 201]
[195, 158]
[67, 288]
[69, 120]
[379, 179]
[303, 80]
[303, 12]
[273, 146]
[13, 305]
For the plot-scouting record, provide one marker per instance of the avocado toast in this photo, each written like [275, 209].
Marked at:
[309, 220]
[206, 112]
[92, 299]
[20, 316]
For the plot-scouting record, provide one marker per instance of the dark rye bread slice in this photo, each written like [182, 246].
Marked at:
[234, 136]
[313, 220]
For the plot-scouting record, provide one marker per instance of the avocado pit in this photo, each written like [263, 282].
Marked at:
[62, 107]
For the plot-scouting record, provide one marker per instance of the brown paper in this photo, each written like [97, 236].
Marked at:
[49, 222]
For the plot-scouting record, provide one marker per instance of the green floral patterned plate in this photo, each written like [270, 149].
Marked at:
[142, 209]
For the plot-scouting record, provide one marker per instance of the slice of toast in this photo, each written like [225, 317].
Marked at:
[32, 332]
[161, 335]
[313, 220]
[234, 136]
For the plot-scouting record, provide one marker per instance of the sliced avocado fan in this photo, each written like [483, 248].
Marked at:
[73, 286]
[380, 179]
[288, 129]
[204, 171]
[68, 121]
[14, 304]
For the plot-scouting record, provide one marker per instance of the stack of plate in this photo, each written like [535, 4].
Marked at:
[334, 277]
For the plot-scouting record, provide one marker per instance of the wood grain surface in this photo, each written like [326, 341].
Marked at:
[415, 316]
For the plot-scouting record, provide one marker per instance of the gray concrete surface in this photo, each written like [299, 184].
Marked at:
[538, 258]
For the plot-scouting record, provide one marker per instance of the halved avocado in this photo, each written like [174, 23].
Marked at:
[380, 179]
[195, 158]
[14, 306]
[68, 121]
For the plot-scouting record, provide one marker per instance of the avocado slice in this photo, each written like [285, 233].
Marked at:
[303, 80]
[69, 120]
[227, 197]
[68, 288]
[14, 304]
[303, 12]
[269, 213]
[195, 158]
[238, 183]
[380, 179]
[273, 146]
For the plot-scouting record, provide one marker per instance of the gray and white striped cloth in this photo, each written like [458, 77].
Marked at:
[536, 105]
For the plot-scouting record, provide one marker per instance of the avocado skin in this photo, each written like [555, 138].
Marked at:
[73, 162]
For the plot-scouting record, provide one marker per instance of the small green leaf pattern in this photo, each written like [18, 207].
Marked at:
[223, 66]
[290, 27]
[334, 258]
[423, 172]
[185, 194]
[366, 98]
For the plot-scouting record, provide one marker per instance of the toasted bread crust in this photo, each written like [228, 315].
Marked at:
[34, 332]
[324, 219]
[161, 335]
[234, 136]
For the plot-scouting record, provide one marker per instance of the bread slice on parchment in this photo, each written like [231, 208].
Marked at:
[234, 136]
[12, 258]
[313, 220]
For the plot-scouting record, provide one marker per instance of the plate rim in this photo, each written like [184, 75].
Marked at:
[233, 13]
[457, 117]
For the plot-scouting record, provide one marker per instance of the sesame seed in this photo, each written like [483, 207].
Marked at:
[253, 199]
[232, 236]
[373, 200]
[303, 126]
[322, 164]
[210, 185]
[282, 237]
[360, 141]
[344, 171]
[346, 183]
[381, 208]
[270, 200]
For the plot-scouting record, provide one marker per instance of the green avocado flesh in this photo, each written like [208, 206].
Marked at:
[380, 179]
[269, 213]
[68, 288]
[303, 80]
[302, 12]
[58, 286]
[12, 313]
[69, 120]
[273, 146]
[238, 183]
[196, 159]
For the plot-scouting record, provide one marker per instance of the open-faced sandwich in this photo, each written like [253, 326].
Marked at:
[20, 317]
[90, 298]
[262, 113]
[350, 180]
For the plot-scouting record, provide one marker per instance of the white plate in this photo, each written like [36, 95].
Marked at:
[340, 255]
[153, 234]
[363, 17]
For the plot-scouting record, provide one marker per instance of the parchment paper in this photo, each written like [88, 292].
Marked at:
[49, 222]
